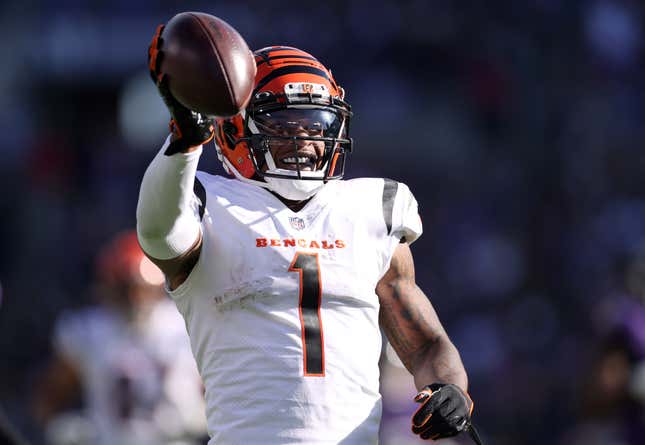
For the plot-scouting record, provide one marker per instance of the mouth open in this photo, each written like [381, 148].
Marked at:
[306, 161]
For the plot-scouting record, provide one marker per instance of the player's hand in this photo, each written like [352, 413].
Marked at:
[444, 412]
[188, 127]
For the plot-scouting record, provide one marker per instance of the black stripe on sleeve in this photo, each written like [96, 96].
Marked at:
[389, 193]
[200, 192]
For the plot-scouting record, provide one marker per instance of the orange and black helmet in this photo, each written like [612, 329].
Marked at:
[291, 88]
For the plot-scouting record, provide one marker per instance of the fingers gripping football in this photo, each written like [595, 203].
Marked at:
[188, 127]
[154, 59]
[444, 412]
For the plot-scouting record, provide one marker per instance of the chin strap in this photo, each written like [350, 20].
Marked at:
[294, 189]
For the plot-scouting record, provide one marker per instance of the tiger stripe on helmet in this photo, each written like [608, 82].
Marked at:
[269, 59]
[289, 69]
[276, 61]
[271, 52]
[267, 55]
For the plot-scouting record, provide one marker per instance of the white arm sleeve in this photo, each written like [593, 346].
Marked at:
[406, 222]
[168, 221]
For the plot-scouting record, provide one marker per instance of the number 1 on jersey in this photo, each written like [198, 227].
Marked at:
[306, 264]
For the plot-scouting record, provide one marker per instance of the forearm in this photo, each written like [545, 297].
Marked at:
[416, 334]
[413, 327]
[439, 361]
[167, 215]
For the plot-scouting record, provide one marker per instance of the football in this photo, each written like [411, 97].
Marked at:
[209, 66]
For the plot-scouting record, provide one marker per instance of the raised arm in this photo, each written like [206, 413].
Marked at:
[168, 221]
[416, 334]
[168, 213]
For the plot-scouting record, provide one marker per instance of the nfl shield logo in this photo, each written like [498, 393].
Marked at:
[297, 223]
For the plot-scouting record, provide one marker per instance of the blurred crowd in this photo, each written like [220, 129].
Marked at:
[518, 126]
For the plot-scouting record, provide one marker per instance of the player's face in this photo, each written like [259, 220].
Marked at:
[306, 153]
[294, 144]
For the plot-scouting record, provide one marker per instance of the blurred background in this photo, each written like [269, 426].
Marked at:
[517, 124]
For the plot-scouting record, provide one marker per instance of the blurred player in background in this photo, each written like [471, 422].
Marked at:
[286, 273]
[613, 396]
[128, 360]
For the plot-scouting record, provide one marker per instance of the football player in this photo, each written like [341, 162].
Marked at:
[127, 359]
[285, 273]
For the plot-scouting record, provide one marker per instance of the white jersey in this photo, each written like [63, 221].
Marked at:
[282, 312]
[140, 382]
